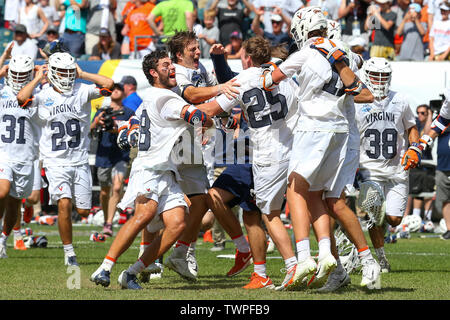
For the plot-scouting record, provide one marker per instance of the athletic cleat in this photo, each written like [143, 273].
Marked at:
[303, 271]
[192, 262]
[384, 264]
[258, 282]
[445, 235]
[154, 268]
[180, 266]
[325, 266]
[335, 281]
[19, 245]
[28, 213]
[288, 279]
[101, 276]
[270, 246]
[128, 281]
[3, 254]
[371, 278]
[241, 261]
[71, 261]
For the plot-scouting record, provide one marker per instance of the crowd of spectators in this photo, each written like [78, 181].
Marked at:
[411, 30]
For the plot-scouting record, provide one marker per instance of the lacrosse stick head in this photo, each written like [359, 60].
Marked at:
[348, 254]
[372, 202]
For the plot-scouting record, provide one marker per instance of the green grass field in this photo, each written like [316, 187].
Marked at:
[420, 271]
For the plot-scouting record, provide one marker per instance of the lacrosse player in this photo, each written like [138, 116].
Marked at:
[386, 127]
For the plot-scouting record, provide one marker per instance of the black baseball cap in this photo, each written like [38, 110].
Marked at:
[20, 28]
[104, 32]
[128, 80]
[118, 85]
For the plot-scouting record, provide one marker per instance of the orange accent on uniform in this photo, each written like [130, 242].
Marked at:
[363, 249]
[110, 259]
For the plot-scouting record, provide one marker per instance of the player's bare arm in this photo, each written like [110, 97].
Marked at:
[353, 84]
[6, 54]
[26, 92]
[200, 94]
[98, 79]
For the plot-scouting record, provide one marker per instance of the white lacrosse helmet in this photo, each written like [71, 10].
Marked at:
[413, 222]
[305, 20]
[377, 73]
[62, 71]
[20, 72]
[334, 31]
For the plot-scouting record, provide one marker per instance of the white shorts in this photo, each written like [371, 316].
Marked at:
[20, 176]
[318, 157]
[346, 176]
[194, 179]
[396, 195]
[159, 186]
[270, 185]
[73, 182]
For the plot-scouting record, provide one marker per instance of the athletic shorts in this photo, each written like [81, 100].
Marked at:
[238, 180]
[20, 177]
[318, 157]
[346, 178]
[194, 179]
[105, 175]
[270, 185]
[73, 182]
[442, 186]
[159, 186]
[396, 196]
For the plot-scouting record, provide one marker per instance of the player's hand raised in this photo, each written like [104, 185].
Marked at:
[217, 49]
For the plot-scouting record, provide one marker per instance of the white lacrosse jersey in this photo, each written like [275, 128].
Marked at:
[445, 109]
[322, 101]
[383, 129]
[65, 122]
[19, 129]
[271, 116]
[160, 130]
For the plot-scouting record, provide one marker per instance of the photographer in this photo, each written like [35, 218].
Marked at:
[110, 160]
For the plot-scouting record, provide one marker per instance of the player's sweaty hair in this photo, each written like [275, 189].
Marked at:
[151, 62]
[258, 48]
[178, 42]
[279, 51]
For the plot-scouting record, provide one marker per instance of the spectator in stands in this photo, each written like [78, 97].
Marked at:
[278, 20]
[234, 48]
[412, 30]
[354, 14]
[33, 17]
[289, 7]
[421, 179]
[443, 179]
[110, 160]
[136, 25]
[381, 20]
[22, 43]
[330, 8]
[51, 14]
[128, 7]
[424, 18]
[50, 36]
[230, 19]
[434, 12]
[100, 16]
[210, 33]
[176, 15]
[75, 25]
[132, 99]
[106, 48]
[400, 9]
[440, 36]
[11, 16]
[359, 45]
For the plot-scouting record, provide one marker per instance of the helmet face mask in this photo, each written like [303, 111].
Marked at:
[306, 20]
[62, 72]
[20, 72]
[377, 74]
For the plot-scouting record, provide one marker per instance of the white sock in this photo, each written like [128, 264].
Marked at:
[417, 211]
[290, 262]
[428, 215]
[241, 244]
[324, 247]
[260, 268]
[17, 234]
[3, 239]
[108, 264]
[303, 250]
[137, 267]
[68, 250]
[191, 249]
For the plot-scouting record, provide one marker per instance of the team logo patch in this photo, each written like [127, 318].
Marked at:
[48, 102]
[5, 95]
[366, 108]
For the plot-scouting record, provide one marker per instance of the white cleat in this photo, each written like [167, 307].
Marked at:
[152, 269]
[325, 266]
[3, 254]
[180, 266]
[192, 263]
[335, 281]
[371, 275]
[288, 279]
[304, 270]
[270, 246]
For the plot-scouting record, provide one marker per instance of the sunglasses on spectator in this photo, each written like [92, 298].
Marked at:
[422, 112]
[276, 22]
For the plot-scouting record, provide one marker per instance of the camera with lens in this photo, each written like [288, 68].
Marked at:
[108, 115]
[435, 105]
